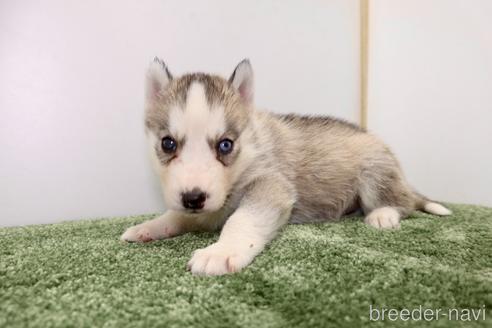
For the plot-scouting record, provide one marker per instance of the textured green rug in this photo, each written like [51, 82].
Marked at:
[79, 274]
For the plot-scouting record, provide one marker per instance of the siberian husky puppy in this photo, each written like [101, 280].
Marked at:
[225, 165]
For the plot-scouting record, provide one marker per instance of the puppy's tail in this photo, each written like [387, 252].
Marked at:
[431, 207]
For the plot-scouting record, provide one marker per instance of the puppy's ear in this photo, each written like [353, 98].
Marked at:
[158, 77]
[242, 80]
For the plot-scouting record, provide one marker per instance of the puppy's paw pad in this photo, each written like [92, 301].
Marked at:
[383, 218]
[136, 234]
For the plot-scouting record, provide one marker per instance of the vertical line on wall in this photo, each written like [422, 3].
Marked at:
[364, 53]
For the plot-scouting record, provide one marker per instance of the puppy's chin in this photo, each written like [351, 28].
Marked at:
[192, 213]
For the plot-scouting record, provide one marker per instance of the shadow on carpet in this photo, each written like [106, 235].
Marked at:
[79, 274]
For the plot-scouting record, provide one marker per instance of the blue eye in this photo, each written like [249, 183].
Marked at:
[169, 145]
[225, 146]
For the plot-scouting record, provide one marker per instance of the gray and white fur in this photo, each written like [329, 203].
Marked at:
[224, 164]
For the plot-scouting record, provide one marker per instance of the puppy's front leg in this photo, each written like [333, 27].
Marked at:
[263, 210]
[168, 225]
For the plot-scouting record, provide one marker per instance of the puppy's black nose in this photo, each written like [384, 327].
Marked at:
[194, 199]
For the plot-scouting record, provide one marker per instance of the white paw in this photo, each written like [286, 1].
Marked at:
[146, 232]
[137, 234]
[218, 259]
[384, 218]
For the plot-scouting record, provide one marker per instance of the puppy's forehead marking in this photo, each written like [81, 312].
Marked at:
[197, 107]
[197, 118]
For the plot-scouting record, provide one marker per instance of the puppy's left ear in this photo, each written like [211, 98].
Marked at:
[158, 78]
[242, 80]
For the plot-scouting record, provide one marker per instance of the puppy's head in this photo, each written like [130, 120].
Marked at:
[195, 126]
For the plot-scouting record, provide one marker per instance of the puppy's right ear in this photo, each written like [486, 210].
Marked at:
[158, 77]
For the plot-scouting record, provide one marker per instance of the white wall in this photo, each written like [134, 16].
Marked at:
[71, 77]
[430, 93]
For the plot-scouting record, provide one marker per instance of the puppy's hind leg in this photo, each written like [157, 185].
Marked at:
[385, 197]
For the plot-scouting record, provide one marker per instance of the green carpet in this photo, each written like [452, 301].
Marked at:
[78, 274]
